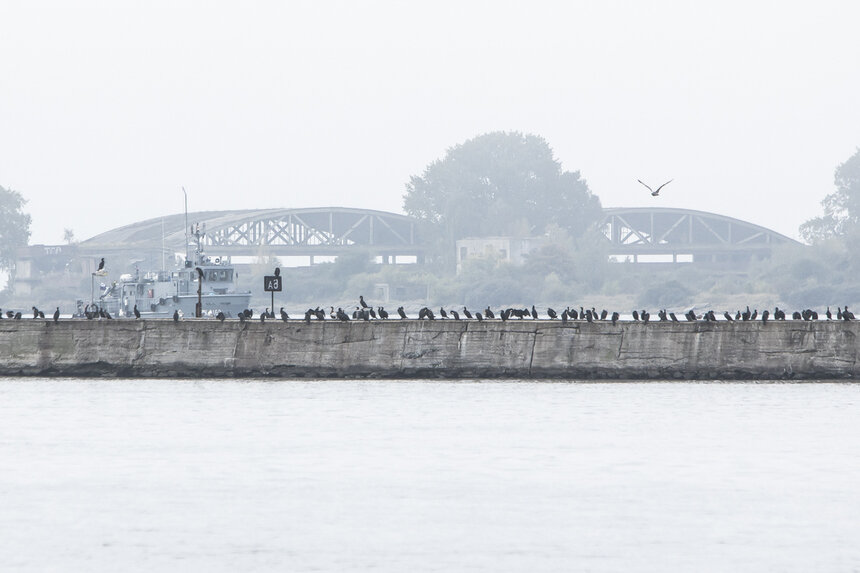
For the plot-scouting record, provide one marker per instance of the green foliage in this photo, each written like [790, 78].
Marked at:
[14, 226]
[670, 294]
[498, 184]
[841, 208]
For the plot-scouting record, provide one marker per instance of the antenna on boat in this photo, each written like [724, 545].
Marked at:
[186, 224]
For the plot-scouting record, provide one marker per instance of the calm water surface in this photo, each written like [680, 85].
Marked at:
[140, 475]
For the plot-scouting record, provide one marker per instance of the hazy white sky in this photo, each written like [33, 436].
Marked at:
[108, 108]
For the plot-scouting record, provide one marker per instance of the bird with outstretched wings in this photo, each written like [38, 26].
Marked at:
[656, 192]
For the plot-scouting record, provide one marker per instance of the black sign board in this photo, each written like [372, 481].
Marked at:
[272, 283]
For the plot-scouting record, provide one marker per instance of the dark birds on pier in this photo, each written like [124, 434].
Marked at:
[690, 316]
[341, 315]
[838, 313]
[220, 316]
[754, 315]
[847, 314]
[563, 316]
[745, 316]
[455, 314]
[673, 317]
[35, 312]
[401, 312]
[308, 313]
[552, 314]
[442, 312]
[383, 314]
[573, 314]
[242, 317]
[636, 315]
[489, 313]
[797, 316]
[506, 312]
[653, 192]
[479, 317]
[263, 316]
[176, 316]
[135, 312]
[615, 317]
[466, 312]
[17, 316]
[828, 314]
[738, 315]
[361, 301]
[101, 265]
[644, 316]
[589, 316]
[284, 315]
[603, 314]
[57, 314]
[534, 312]
[728, 316]
[371, 312]
[764, 315]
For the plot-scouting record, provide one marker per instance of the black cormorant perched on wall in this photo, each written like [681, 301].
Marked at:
[673, 317]
[442, 312]
[603, 314]
[101, 265]
[17, 316]
[615, 317]
[489, 313]
[135, 312]
[534, 312]
[828, 314]
[764, 315]
[728, 316]
[551, 313]
[466, 312]
[479, 317]
[35, 312]
[361, 301]
[284, 315]
[636, 315]
[455, 314]
[564, 316]
[754, 315]
[383, 314]
[176, 315]
[401, 312]
[690, 316]
[220, 316]
[57, 314]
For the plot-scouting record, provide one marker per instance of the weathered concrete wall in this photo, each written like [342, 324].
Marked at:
[437, 349]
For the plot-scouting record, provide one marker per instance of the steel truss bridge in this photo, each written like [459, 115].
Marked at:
[309, 232]
[676, 234]
[633, 233]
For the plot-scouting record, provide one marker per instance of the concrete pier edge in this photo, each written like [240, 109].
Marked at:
[440, 349]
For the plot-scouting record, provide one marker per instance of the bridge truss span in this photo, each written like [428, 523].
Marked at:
[667, 234]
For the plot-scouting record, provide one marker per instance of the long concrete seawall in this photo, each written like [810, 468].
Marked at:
[431, 349]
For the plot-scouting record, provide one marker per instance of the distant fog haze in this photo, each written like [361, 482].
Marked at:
[108, 109]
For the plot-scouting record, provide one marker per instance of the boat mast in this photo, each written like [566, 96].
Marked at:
[186, 224]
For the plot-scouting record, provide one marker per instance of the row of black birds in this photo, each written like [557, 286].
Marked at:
[364, 311]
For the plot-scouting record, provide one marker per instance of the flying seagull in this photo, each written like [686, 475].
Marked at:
[657, 192]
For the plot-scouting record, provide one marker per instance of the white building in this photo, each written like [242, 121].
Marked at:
[513, 250]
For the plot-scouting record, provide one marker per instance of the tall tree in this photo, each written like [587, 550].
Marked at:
[841, 208]
[14, 226]
[500, 183]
